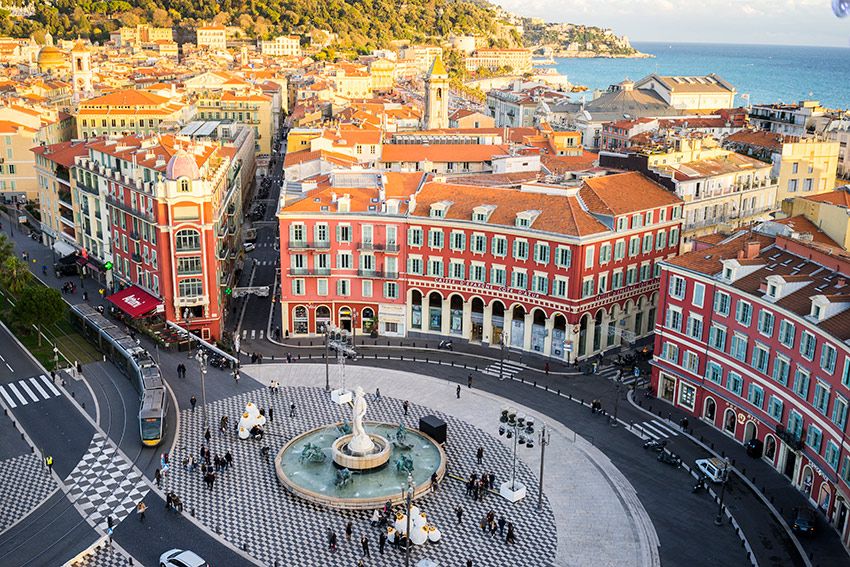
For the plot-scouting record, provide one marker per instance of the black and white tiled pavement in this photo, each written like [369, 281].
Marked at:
[105, 483]
[249, 508]
[26, 483]
[104, 555]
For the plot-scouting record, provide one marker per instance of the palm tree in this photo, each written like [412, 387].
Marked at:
[6, 248]
[14, 274]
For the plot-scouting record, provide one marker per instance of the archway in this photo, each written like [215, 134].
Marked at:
[415, 309]
[538, 330]
[517, 326]
[477, 315]
[709, 410]
[840, 514]
[300, 321]
[368, 321]
[582, 335]
[769, 454]
[807, 480]
[323, 318]
[456, 314]
[498, 324]
[730, 421]
[597, 331]
[559, 336]
[345, 318]
[650, 315]
[749, 431]
[435, 312]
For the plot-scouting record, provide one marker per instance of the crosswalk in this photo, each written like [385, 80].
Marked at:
[28, 391]
[508, 369]
[253, 333]
[610, 373]
[656, 429]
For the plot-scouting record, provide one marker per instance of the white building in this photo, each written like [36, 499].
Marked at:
[790, 119]
[282, 46]
[707, 92]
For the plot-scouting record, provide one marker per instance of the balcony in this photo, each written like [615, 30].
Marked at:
[309, 271]
[795, 442]
[378, 274]
[146, 215]
[134, 235]
[136, 258]
[90, 190]
[377, 247]
[304, 245]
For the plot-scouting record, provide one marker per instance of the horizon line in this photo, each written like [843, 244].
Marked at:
[634, 41]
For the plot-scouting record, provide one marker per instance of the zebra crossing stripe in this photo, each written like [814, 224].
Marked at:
[253, 333]
[49, 384]
[38, 387]
[245, 333]
[650, 429]
[29, 392]
[664, 427]
[261, 333]
[8, 398]
[18, 394]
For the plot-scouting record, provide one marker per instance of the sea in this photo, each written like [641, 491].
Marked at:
[767, 73]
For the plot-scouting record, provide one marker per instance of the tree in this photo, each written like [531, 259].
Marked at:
[39, 305]
[6, 249]
[14, 274]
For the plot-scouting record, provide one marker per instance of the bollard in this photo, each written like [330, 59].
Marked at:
[771, 498]
[476, 368]
[376, 356]
[388, 343]
[723, 454]
[712, 446]
[414, 358]
[547, 387]
[401, 357]
[309, 357]
[426, 359]
[311, 343]
[570, 396]
[733, 462]
[388, 357]
[523, 379]
[73, 394]
[464, 366]
[83, 405]
[453, 363]
[414, 345]
[245, 546]
[744, 471]
[559, 391]
[22, 437]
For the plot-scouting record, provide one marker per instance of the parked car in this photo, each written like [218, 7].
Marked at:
[805, 521]
[181, 558]
[754, 448]
[714, 468]
[250, 246]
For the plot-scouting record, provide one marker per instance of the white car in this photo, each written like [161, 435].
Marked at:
[715, 469]
[181, 558]
[249, 246]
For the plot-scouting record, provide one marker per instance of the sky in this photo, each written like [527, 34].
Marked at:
[779, 22]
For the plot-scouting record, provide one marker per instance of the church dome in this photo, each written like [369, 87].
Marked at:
[182, 164]
[51, 57]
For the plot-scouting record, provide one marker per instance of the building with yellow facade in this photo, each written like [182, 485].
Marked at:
[281, 46]
[829, 211]
[213, 38]
[128, 111]
[381, 73]
[249, 108]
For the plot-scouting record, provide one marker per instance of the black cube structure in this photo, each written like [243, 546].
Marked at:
[434, 427]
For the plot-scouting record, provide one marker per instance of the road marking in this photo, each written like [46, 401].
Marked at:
[29, 392]
[253, 333]
[664, 427]
[38, 387]
[244, 333]
[9, 367]
[49, 384]
[1, 358]
[18, 394]
[652, 431]
[9, 400]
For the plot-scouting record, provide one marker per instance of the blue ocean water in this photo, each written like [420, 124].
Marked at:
[768, 73]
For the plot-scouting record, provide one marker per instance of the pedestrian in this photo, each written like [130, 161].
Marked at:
[469, 381]
[49, 462]
[331, 540]
[457, 392]
[406, 406]
[140, 510]
[364, 543]
[158, 477]
[186, 463]
[292, 409]
[434, 483]
[85, 296]
[377, 394]
[349, 529]
[382, 541]
[207, 435]
[546, 368]
[459, 514]
[168, 502]
[502, 523]
[479, 455]
[253, 358]
[194, 463]
[289, 357]
[271, 413]
[228, 458]
[511, 537]
[684, 423]
[192, 401]
[469, 563]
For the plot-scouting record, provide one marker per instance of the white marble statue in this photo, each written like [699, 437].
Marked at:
[360, 442]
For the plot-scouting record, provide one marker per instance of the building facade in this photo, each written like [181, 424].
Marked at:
[563, 272]
[126, 112]
[213, 38]
[281, 46]
[751, 337]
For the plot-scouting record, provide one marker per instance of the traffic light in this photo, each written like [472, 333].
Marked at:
[107, 266]
[228, 291]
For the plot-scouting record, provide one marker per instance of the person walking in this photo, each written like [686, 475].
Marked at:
[434, 484]
[192, 401]
[479, 455]
[271, 413]
[459, 514]
[207, 435]
[546, 368]
[469, 380]
[140, 510]
[406, 406]
[458, 391]
[502, 523]
[364, 543]
[292, 409]
[377, 394]
[349, 529]
[511, 537]
[49, 462]
[158, 477]
[491, 480]
[331, 540]
[382, 541]
[228, 459]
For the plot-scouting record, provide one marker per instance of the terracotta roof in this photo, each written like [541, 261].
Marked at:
[710, 261]
[838, 197]
[624, 193]
[761, 139]
[565, 164]
[127, 97]
[398, 186]
[63, 153]
[303, 156]
[440, 153]
[804, 226]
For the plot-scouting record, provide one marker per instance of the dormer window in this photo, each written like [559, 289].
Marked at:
[482, 213]
[771, 290]
[727, 273]
[524, 219]
[438, 210]
[817, 312]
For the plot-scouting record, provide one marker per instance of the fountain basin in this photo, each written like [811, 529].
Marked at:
[345, 457]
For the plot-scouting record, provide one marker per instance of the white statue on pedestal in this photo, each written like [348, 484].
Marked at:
[360, 442]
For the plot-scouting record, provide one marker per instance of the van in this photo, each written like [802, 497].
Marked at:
[715, 469]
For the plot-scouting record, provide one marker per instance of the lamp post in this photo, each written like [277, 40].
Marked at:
[502, 356]
[613, 418]
[521, 430]
[202, 364]
[55, 359]
[718, 521]
[353, 328]
[409, 500]
[544, 439]
[327, 330]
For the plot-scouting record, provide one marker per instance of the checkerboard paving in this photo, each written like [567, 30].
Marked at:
[104, 555]
[105, 483]
[249, 508]
[25, 485]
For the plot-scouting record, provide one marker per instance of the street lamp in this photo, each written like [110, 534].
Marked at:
[718, 521]
[354, 328]
[521, 430]
[502, 356]
[201, 357]
[409, 500]
[327, 330]
[544, 439]
[613, 418]
[55, 359]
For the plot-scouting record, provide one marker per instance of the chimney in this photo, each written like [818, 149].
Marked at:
[751, 249]
[840, 282]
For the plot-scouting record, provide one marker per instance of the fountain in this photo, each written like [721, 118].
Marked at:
[359, 474]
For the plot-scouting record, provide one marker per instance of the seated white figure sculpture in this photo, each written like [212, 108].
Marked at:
[250, 417]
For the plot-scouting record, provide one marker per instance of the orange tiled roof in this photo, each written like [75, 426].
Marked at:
[439, 153]
[624, 193]
[126, 97]
[837, 197]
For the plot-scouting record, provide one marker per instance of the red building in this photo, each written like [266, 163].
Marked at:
[562, 271]
[752, 337]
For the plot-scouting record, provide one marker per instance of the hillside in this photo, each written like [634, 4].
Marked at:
[573, 40]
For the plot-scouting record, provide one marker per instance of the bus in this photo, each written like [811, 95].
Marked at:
[134, 362]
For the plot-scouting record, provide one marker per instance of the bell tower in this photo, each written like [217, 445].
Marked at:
[436, 96]
[81, 71]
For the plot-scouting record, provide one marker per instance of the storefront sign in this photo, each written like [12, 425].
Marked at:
[488, 287]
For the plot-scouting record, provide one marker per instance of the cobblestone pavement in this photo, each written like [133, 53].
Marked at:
[249, 507]
[103, 555]
[25, 485]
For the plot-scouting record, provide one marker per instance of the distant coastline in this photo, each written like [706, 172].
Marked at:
[566, 54]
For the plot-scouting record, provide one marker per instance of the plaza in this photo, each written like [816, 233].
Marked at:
[589, 512]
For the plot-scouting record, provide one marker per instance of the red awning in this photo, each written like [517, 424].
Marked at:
[134, 301]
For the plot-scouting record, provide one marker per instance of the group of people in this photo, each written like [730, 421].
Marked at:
[477, 487]
[256, 358]
[181, 370]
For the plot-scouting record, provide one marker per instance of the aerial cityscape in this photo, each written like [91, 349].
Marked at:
[443, 283]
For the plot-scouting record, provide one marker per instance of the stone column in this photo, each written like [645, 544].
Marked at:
[547, 343]
[526, 339]
[488, 324]
[426, 312]
[466, 327]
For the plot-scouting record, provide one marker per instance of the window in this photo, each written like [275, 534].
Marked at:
[786, 333]
[343, 233]
[298, 286]
[691, 362]
[520, 249]
[647, 243]
[648, 218]
[845, 377]
[343, 260]
[781, 369]
[458, 241]
[188, 265]
[187, 240]
[435, 267]
[717, 337]
[457, 270]
[343, 287]
[631, 275]
[500, 246]
[677, 287]
[774, 408]
[414, 236]
[645, 272]
[587, 288]
[190, 287]
[541, 253]
[674, 234]
[722, 301]
[734, 383]
[795, 424]
[498, 276]
[814, 437]
[827, 358]
[756, 395]
[322, 286]
[366, 288]
[619, 250]
[478, 243]
[744, 313]
[739, 347]
[801, 383]
[559, 287]
[807, 345]
[435, 238]
[563, 257]
[695, 327]
[478, 273]
[617, 279]
[661, 240]
[391, 290]
[761, 356]
[414, 266]
[674, 319]
[698, 294]
[540, 284]
[321, 232]
[713, 372]
[604, 253]
[766, 322]
[687, 396]
[670, 352]
[634, 246]
[839, 412]
[821, 399]
[831, 454]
